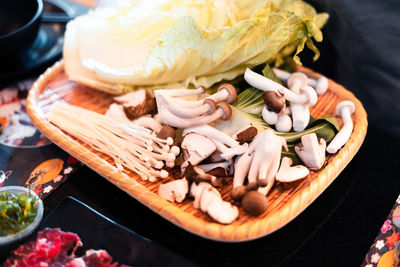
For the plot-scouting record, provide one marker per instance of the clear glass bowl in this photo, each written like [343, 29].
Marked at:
[9, 239]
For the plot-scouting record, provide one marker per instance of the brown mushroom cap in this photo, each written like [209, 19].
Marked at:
[237, 193]
[165, 132]
[231, 90]
[247, 135]
[274, 102]
[252, 186]
[254, 203]
[297, 76]
[226, 109]
[211, 105]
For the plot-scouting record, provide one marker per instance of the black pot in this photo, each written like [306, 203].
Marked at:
[19, 25]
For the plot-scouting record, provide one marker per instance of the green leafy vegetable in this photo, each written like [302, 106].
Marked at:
[291, 153]
[325, 127]
[270, 74]
[17, 211]
[187, 42]
[250, 101]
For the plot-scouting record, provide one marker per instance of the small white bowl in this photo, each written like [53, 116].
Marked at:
[6, 240]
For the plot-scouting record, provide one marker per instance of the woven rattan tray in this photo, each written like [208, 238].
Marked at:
[284, 203]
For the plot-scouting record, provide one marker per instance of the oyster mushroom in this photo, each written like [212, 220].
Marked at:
[195, 148]
[228, 146]
[137, 103]
[311, 151]
[288, 173]
[116, 112]
[148, 122]
[174, 191]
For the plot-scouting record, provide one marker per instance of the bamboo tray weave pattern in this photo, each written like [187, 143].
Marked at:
[284, 203]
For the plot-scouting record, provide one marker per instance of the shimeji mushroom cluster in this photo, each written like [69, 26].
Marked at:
[207, 155]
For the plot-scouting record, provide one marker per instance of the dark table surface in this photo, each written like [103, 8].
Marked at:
[336, 229]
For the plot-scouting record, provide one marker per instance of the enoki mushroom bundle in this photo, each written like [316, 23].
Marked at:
[130, 145]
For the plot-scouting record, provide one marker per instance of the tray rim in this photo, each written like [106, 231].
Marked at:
[210, 230]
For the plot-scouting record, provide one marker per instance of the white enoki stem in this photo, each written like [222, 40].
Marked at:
[129, 145]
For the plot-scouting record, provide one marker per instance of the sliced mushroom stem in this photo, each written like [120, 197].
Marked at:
[174, 191]
[288, 173]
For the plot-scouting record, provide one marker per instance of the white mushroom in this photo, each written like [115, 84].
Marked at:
[268, 116]
[223, 112]
[260, 161]
[311, 152]
[242, 166]
[274, 101]
[195, 148]
[320, 85]
[344, 109]
[284, 123]
[300, 109]
[174, 105]
[260, 82]
[228, 146]
[226, 92]
[300, 96]
[209, 200]
[149, 123]
[174, 191]
[288, 173]
[116, 112]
